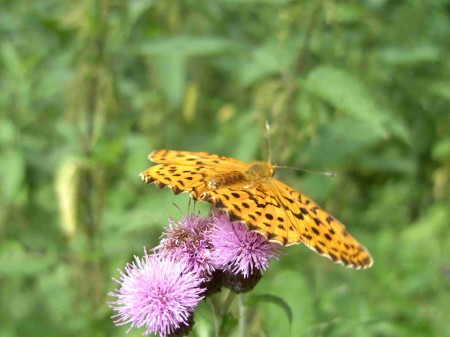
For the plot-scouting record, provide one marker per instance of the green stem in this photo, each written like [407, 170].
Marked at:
[216, 316]
[242, 315]
[227, 304]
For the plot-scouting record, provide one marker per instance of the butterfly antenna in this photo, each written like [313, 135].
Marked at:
[328, 174]
[189, 205]
[268, 141]
[178, 207]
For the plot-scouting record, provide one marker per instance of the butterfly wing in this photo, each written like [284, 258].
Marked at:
[187, 158]
[318, 230]
[255, 205]
[267, 206]
[184, 171]
[287, 217]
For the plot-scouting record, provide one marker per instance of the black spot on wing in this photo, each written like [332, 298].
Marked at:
[160, 184]
[307, 237]
[317, 221]
[271, 236]
[252, 227]
[288, 199]
[219, 204]
[299, 216]
[176, 190]
[314, 209]
[148, 180]
[233, 217]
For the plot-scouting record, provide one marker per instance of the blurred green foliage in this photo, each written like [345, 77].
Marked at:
[89, 88]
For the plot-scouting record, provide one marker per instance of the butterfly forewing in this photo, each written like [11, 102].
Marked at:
[187, 158]
[184, 171]
[264, 204]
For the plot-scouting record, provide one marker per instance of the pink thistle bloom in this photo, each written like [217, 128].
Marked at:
[189, 239]
[239, 250]
[157, 293]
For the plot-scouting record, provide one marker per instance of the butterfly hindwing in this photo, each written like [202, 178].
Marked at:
[256, 207]
[320, 231]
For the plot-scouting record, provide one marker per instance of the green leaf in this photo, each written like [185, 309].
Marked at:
[340, 140]
[403, 56]
[8, 131]
[170, 56]
[12, 167]
[271, 58]
[171, 72]
[185, 46]
[278, 301]
[346, 93]
[441, 150]
[15, 261]
[438, 88]
[229, 322]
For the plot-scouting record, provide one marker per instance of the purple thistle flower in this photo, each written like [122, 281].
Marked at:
[158, 293]
[189, 239]
[239, 250]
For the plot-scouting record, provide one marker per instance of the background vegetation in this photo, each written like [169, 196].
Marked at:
[89, 88]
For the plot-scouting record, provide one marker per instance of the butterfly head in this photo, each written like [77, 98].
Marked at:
[260, 169]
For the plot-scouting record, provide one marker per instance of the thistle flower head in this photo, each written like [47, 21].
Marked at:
[189, 239]
[239, 250]
[157, 293]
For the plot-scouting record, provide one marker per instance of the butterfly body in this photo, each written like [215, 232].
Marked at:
[250, 194]
[255, 174]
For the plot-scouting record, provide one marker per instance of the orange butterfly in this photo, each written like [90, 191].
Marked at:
[249, 193]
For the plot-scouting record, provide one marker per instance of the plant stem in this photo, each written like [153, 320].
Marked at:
[217, 317]
[227, 303]
[242, 315]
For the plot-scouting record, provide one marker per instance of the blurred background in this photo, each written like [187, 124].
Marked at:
[90, 88]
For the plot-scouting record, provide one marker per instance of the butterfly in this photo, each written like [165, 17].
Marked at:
[249, 194]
